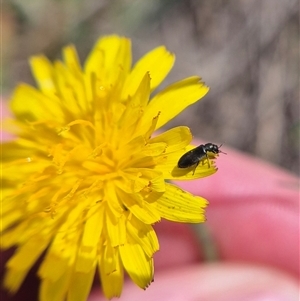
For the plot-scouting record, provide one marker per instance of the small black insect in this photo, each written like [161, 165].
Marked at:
[194, 156]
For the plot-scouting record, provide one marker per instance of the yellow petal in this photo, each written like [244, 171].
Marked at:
[93, 228]
[129, 121]
[81, 285]
[140, 209]
[157, 62]
[13, 151]
[19, 265]
[29, 104]
[143, 235]
[180, 206]
[13, 279]
[115, 228]
[111, 273]
[58, 259]
[176, 138]
[137, 181]
[7, 220]
[71, 90]
[55, 290]
[138, 266]
[86, 257]
[154, 149]
[53, 267]
[43, 72]
[141, 96]
[110, 56]
[11, 238]
[145, 213]
[71, 59]
[27, 254]
[154, 179]
[151, 128]
[174, 99]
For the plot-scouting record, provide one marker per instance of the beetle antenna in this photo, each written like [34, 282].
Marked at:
[220, 150]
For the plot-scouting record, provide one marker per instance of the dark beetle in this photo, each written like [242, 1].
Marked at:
[195, 155]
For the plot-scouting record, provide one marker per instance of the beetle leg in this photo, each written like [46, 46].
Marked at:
[196, 167]
[207, 159]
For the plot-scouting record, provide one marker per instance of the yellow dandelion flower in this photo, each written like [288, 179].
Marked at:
[85, 180]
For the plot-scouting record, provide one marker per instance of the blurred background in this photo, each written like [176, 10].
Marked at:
[246, 51]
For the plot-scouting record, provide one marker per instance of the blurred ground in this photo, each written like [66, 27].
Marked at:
[246, 51]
